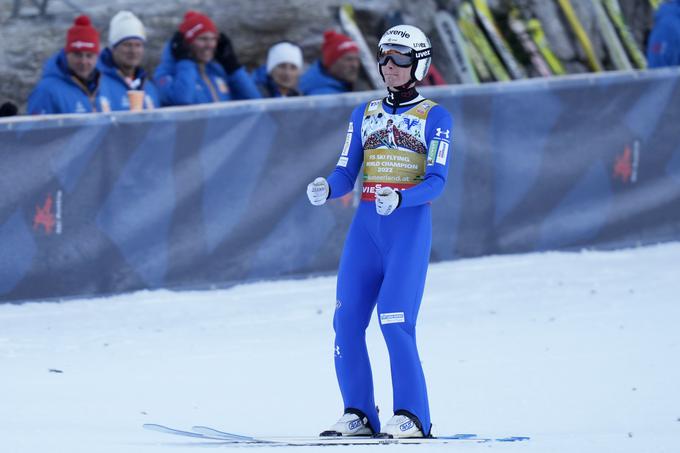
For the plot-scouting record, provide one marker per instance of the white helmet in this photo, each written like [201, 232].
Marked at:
[407, 40]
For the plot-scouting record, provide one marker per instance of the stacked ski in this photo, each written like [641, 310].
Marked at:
[212, 434]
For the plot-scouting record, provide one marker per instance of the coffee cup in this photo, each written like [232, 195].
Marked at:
[136, 98]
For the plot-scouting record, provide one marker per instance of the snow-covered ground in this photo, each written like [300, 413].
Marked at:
[580, 351]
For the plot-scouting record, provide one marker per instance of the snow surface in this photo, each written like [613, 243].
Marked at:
[577, 350]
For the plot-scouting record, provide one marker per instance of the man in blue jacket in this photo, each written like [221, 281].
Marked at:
[71, 81]
[120, 64]
[663, 48]
[338, 69]
[199, 66]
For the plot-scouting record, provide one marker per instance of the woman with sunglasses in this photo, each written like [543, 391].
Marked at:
[403, 142]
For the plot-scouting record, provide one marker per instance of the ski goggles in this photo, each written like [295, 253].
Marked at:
[401, 56]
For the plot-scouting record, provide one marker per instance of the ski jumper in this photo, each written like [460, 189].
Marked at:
[405, 146]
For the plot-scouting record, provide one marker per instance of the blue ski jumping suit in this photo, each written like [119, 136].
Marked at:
[385, 258]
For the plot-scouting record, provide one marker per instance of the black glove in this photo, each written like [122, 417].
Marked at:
[225, 55]
[179, 48]
[8, 109]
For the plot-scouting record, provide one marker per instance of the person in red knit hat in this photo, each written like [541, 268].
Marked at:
[338, 68]
[199, 65]
[70, 81]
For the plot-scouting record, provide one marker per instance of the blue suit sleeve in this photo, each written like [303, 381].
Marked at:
[351, 158]
[439, 136]
[178, 88]
[663, 48]
[242, 85]
[40, 101]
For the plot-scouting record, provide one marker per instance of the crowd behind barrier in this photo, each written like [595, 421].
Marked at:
[98, 204]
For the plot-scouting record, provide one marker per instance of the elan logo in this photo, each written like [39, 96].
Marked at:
[355, 424]
[406, 426]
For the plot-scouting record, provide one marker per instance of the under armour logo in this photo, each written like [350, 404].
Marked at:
[440, 132]
[337, 351]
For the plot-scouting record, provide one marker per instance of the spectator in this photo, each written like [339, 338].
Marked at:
[663, 48]
[199, 66]
[280, 75]
[120, 63]
[70, 81]
[338, 68]
[8, 109]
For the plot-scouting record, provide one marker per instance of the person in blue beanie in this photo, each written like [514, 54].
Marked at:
[280, 75]
[337, 70]
[403, 143]
[71, 81]
[199, 65]
[120, 64]
[663, 46]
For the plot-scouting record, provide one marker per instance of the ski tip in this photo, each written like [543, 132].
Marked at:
[152, 426]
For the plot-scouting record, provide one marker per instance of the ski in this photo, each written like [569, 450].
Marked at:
[486, 19]
[322, 441]
[519, 28]
[455, 46]
[178, 432]
[581, 35]
[212, 434]
[368, 59]
[472, 32]
[615, 49]
[537, 33]
[481, 69]
[614, 10]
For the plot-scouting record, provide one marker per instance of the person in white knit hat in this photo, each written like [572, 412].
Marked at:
[121, 63]
[279, 76]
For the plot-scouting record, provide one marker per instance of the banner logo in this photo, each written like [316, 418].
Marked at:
[48, 216]
[626, 164]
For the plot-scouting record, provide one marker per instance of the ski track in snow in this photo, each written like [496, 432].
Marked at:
[579, 351]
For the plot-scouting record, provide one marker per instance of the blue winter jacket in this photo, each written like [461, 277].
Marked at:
[266, 85]
[317, 81]
[117, 87]
[185, 82]
[663, 48]
[61, 92]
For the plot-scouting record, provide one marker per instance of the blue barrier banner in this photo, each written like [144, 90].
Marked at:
[211, 195]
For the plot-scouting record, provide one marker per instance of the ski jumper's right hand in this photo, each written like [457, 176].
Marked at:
[318, 191]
